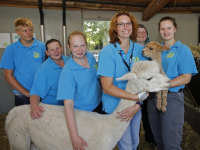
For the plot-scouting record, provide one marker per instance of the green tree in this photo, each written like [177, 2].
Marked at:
[96, 33]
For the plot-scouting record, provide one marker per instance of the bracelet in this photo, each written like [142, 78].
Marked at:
[139, 103]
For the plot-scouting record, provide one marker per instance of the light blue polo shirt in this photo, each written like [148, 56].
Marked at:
[177, 61]
[46, 80]
[24, 61]
[80, 84]
[111, 64]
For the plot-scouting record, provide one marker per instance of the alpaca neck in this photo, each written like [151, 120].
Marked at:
[119, 127]
[123, 104]
[158, 59]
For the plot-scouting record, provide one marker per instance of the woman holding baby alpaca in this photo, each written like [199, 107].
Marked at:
[178, 64]
[116, 59]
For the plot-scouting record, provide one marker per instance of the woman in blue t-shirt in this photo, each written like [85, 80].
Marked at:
[79, 85]
[143, 39]
[115, 60]
[142, 35]
[178, 64]
[45, 84]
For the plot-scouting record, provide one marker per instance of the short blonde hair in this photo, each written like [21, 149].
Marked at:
[22, 22]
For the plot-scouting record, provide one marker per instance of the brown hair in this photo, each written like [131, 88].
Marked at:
[167, 18]
[49, 42]
[113, 27]
[142, 26]
[76, 33]
[22, 22]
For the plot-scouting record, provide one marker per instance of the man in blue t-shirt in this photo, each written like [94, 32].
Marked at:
[21, 59]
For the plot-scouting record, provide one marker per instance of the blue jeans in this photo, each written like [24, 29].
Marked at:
[130, 139]
[20, 99]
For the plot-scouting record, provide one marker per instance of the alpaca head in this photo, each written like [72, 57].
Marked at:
[153, 49]
[145, 76]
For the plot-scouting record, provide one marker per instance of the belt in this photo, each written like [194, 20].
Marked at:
[180, 90]
[18, 94]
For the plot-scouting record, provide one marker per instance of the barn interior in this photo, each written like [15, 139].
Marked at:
[58, 18]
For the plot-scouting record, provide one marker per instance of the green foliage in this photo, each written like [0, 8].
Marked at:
[96, 33]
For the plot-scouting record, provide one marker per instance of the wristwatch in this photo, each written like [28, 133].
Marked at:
[139, 103]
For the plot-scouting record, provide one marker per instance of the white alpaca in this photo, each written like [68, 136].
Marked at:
[101, 132]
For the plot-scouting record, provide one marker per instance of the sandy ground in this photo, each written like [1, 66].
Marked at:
[191, 140]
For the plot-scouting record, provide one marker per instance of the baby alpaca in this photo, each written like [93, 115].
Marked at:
[153, 50]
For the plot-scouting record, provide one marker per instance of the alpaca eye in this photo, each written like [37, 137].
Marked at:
[151, 49]
[149, 79]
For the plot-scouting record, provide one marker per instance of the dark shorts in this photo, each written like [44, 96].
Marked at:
[20, 99]
[98, 109]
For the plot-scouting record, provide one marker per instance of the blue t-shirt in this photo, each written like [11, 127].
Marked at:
[46, 80]
[111, 64]
[177, 61]
[24, 61]
[80, 84]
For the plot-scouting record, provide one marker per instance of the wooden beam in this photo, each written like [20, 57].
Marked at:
[36, 7]
[153, 8]
[21, 6]
[19, 2]
[47, 4]
[156, 6]
[103, 7]
[181, 10]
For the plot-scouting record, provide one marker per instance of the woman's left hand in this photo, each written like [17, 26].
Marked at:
[128, 113]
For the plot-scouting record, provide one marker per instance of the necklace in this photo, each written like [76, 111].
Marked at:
[130, 59]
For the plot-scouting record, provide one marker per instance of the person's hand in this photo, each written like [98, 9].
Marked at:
[36, 112]
[79, 143]
[128, 113]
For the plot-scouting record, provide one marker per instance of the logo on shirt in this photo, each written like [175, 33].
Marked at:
[170, 55]
[95, 67]
[36, 54]
[136, 59]
[5, 44]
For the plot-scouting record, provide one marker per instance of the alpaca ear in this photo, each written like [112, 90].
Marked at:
[128, 76]
[164, 48]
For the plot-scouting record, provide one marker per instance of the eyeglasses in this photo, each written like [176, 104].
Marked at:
[121, 24]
